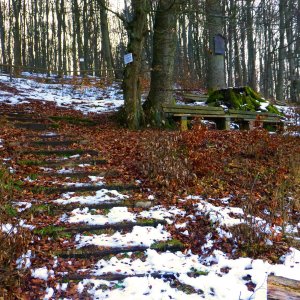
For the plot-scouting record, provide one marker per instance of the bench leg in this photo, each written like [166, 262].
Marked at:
[244, 125]
[252, 125]
[183, 124]
[223, 124]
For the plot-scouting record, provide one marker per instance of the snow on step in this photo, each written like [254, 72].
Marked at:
[116, 215]
[120, 214]
[139, 236]
[134, 288]
[155, 262]
[102, 195]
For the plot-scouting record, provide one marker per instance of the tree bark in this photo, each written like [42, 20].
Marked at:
[105, 41]
[252, 81]
[281, 54]
[17, 38]
[2, 36]
[131, 82]
[162, 72]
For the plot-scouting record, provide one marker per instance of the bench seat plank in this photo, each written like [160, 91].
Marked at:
[219, 115]
[190, 107]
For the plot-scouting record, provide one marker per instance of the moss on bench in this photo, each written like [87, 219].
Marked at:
[241, 98]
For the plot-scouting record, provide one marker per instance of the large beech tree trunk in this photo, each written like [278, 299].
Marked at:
[131, 82]
[162, 72]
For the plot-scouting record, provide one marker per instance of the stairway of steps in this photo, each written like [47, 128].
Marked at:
[69, 182]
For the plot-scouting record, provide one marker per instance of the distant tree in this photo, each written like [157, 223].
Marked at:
[252, 80]
[107, 57]
[2, 34]
[16, 4]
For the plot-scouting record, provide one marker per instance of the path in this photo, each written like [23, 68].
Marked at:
[80, 220]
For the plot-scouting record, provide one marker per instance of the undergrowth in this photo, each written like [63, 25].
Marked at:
[259, 171]
[13, 238]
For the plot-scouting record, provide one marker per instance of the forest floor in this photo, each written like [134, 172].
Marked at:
[90, 210]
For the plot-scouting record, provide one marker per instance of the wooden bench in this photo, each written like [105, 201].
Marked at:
[251, 119]
[246, 119]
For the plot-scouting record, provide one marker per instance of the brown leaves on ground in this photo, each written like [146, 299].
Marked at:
[259, 171]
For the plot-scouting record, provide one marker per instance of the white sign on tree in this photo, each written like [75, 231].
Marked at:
[128, 58]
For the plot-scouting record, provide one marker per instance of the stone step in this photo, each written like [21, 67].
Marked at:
[17, 114]
[118, 277]
[80, 228]
[25, 119]
[94, 251]
[107, 205]
[53, 143]
[69, 152]
[62, 163]
[55, 209]
[80, 174]
[35, 126]
[74, 120]
[85, 188]
[50, 136]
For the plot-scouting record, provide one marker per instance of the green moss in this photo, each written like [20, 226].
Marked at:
[215, 98]
[10, 210]
[250, 92]
[55, 126]
[30, 162]
[195, 273]
[168, 245]
[273, 109]
[107, 231]
[244, 98]
[249, 104]
[51, 230]
[33, 176]
[40, 209]
[234, 99]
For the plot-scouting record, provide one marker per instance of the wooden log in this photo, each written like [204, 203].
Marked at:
[280, 288]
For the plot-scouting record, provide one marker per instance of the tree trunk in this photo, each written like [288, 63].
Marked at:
[105, 41]
[162, 72]
[78, 36]
[2, 36]
[251, 47]
[17, 38]
[59, 36]
[281, 54]
[216, 65]
[131, 81]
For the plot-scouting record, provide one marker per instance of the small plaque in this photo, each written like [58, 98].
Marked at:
[81, 59]
[219, 43]
[128, 58]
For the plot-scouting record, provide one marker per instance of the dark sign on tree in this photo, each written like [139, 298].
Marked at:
[219, 44]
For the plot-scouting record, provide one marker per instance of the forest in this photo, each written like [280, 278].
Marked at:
[173, 40]
[149, 149]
